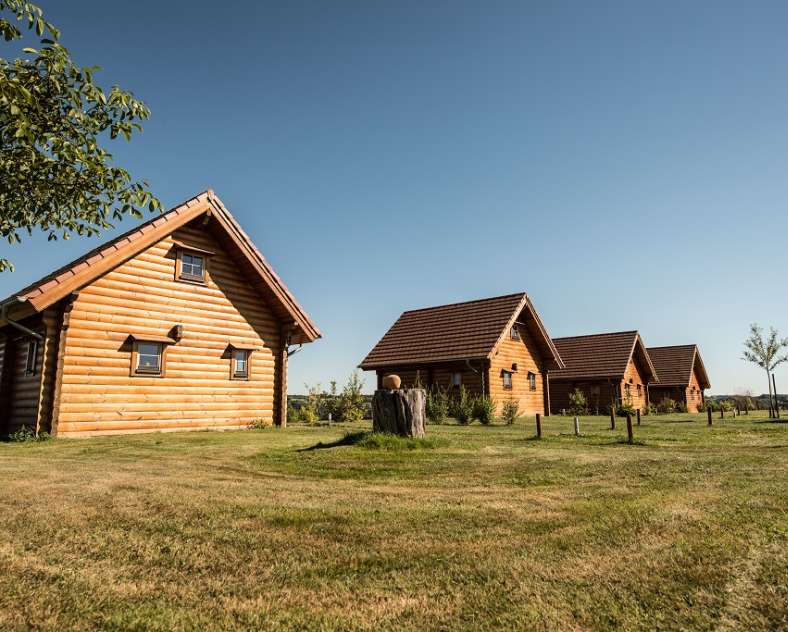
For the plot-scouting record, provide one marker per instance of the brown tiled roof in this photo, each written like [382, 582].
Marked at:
[598, 355]
[459, 331]
[675, 364]
[78, 273]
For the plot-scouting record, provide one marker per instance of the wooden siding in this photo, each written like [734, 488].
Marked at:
[525, 354]
[634, 377]
[600, 392]
[439, 374]
[21, 391]
[97, 392]
[691, 395]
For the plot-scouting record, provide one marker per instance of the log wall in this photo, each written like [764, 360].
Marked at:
[525, 354]
[97, 391]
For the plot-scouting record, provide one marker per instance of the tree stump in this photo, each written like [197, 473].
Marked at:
[399, 412]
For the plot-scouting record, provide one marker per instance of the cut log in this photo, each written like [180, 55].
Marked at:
[399, 412]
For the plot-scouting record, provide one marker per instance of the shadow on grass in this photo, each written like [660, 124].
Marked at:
[772, 421]
[681, 421]
[351, 438]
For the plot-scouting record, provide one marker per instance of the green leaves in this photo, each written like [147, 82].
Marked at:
[55, 174]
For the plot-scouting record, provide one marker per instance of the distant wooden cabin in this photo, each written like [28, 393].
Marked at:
[608, 368]
[682, 376]
[494, 346]
[178, 324]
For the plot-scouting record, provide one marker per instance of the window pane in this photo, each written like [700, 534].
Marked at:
[148, 357]
[192, 265]
[240, 362]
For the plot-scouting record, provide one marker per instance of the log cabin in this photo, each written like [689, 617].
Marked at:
[607, 368]
[494, 346]
[179, 324]
[682, 376]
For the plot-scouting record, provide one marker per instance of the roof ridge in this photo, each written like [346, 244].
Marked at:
[606, 333]
[476, 300]
[694, 344]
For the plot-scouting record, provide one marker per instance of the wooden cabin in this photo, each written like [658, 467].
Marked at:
[494, 346]
[178, 324]
[682, 376]
[610, 368]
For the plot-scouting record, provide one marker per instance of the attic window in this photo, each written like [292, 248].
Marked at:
[507, 380]
[191, 263]
[531, 381]
[32, 356]
[514, 333]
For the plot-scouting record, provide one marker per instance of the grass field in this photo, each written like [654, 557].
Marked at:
[483, 528]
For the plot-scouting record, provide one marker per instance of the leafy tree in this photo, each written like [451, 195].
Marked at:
[766, 352]
[577, 402]
[55, 174]
[350, 406]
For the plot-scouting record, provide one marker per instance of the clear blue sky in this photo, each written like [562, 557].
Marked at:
[626, 163]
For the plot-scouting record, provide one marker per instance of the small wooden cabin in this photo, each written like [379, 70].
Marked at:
[178, 324]
[682, 376]
[608, 368]
[494, 346]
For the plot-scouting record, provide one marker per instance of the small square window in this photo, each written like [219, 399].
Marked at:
[241, 364]
[456, 379]
[149, 358]
[532, 381]
[32, 357]
[514, 333]
[507, 380]
[192, 267]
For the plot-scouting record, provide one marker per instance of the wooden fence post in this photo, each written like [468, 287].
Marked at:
[722, 413]
[630, 438]
[577, 427]
[638, 416]
[538, 426]
[613, 417]
[708, 412]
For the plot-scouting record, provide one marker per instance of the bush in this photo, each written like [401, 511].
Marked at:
[681, 407]
[484, 409]
[625, 409]
[461, 406]
[437, 405]
[351, 405]
[577, 402]
[726, 405]
[259, 424]
[510, 411]
[27, 435]
[667, 405]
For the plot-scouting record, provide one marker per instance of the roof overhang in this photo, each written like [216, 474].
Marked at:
[300, 329]
[639, 350]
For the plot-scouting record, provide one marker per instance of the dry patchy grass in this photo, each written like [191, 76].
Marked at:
[482, 528]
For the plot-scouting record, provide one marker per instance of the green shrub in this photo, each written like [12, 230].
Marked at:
[351, 405]
[27, 435]
[667, 405]
[681, 407]
[577, 402]
[510, 411]
[259, 424]
[437, 405]
[484, 409]
[726, 405]
[625, 409]
[461, 406]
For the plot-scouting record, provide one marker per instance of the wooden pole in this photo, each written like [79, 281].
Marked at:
[538, 426]
[612, 416]
[722, 411]
[630, 437]
[577, 427]
[708, 413]
[776, 399]
[638, 416]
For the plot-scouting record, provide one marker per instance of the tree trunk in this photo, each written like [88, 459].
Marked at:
[400, 412]
[771, 399]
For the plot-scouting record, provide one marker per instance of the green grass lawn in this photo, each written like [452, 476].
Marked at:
[483, 528]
